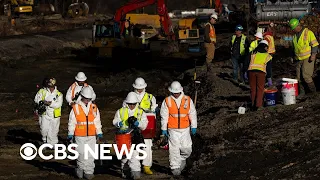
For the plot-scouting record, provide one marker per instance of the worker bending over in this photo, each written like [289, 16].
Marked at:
[305, 50]
[146, 102]
[73, 92]
[51, 101]
[84, 125]
[178, 113]
[210, 41]
[239, 46]
[121, 121]
[258, 67]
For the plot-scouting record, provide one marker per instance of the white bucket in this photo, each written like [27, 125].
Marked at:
[288, 96]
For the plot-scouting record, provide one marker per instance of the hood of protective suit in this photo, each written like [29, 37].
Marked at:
[181, 95]
[136, 91]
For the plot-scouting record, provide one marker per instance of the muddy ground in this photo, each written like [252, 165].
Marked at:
[277, 143]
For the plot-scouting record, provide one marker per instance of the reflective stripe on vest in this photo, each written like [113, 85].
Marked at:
[253, 45]
[56, 111]
[271, 46]
[85, 123]
[242, 43]
[124, 116]
[302, 47]
[212, 33]
[259, 61]
[73, 88]
[178, 117]
[146, 102]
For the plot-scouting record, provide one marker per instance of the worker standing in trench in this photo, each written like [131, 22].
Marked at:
[258, 67]
[210, 42]
[121, 121]
[83, 126]
[305, 50]
[51, 100]
[147, 102]
[268, 36]
[73, 92]
[178, 113]
[239, 46]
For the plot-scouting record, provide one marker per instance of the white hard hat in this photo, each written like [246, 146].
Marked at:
[86, 92]
[81, 76]
[214, 16]
[259, 35]
[175, 87]
[264, 42]
[132, 98]
[139, 83]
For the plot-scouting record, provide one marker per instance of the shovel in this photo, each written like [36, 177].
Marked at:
[197, 84]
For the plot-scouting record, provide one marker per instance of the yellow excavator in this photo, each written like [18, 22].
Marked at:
[189, 37]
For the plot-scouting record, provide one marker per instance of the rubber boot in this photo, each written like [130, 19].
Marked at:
[176, 172]
[136, 174]
[79, 173]
[147, 170]
[183, 165]
[302, 93]
[88, 176]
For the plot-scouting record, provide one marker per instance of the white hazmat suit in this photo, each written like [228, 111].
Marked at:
[180, 143]
[49, 125]
[77, 90]
[148, 142]
[133, 163]
[86, 165]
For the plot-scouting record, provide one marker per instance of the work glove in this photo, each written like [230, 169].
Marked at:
[193, 131]
[100, 136]
[120, 124]
[269, 82]
[165, 133]
[70, 137]
[136, 123]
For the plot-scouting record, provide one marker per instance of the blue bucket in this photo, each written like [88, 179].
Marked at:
[270, 96]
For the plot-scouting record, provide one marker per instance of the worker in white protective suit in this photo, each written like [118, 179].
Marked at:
[73, 93]
[121, 121]
[49, 119]
[147, 102]
[84, 125]
[178, 113]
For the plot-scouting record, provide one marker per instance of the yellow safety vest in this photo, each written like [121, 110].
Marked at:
[259, 61]
[271, 46]
[302, 47]
[124, 116]
[253, 45]
[146, 102]
[212, 33]
[57, 111]
[242, 43]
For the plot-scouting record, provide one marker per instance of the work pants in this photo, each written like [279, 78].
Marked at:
[305, 69]
[180, 146]
[210, 47]
[87, 165]
[256, 81]
[148, 160]
[133, 163]
[237, 63]
[49, 128]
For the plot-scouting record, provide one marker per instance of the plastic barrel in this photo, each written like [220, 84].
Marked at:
[123, 139]
[270, 96]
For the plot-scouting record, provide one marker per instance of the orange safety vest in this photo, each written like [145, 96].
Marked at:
[73, 87]
[212, 33]
[178, 117]
[271, 48]
[259, 61]
[85, 125]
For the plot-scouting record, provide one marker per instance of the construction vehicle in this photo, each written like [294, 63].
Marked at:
[15, 8]
[77, 9]
[106, 35]
[189, 37]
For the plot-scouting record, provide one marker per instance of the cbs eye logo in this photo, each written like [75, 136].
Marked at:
[28, 151]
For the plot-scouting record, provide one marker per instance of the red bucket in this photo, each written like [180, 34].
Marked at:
[123, 139]
[150, 131]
